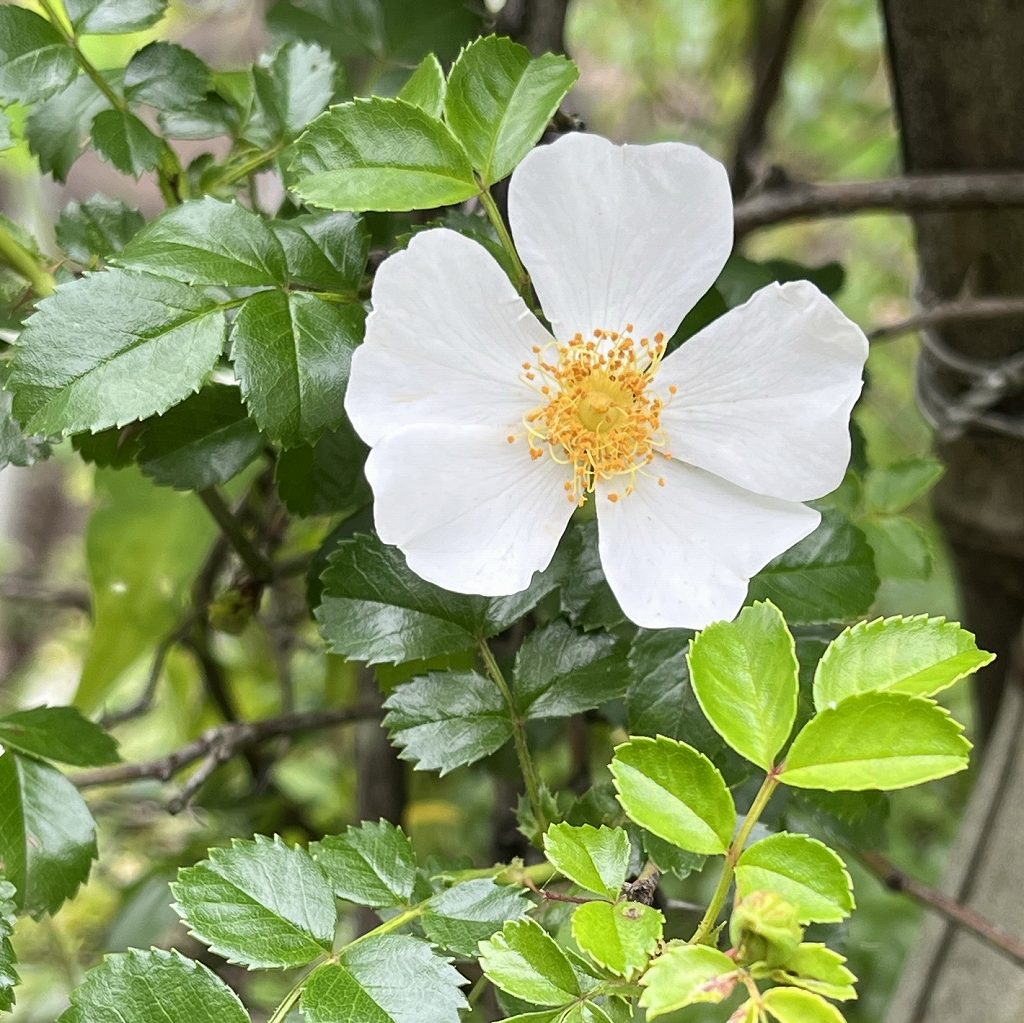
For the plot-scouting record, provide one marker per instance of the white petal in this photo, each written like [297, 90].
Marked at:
[614, 235]
[765, 393]
[471, 512]
[444, 343]
[680, 556]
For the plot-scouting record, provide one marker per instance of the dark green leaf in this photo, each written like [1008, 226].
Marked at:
[96, 228]
[296, 86]
[560, 671]
[325, 250]
[828, 576]
[35, 62]
[171, 339]
[16, 448]
[461, 917]
[425, 87]
[292, 352]
[524, 961]
[58, 127]
[9, 978]
[587, 598]
[166, 76]
[47, 835]
[446, 720]
[500, 100]
[203, 442]
[260, 904]
[209, 242]
[380, 154]
[58, 733]
[325, 477]
[113, 16]
[372, 865]
[150, 987]
[621, 938]
[392, 978]
[125, 141]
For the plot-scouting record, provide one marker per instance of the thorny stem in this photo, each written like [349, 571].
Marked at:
[757, 807]
[522, 280]
[25, 263]
[530, 777]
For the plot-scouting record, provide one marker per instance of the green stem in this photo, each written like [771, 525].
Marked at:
[26, 264]
[250, 166]
[531, 779]
[290, 1000]
[757, 807]
[522, 280]
[260, 567]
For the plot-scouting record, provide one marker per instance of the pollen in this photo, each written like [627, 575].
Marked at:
[597, 414]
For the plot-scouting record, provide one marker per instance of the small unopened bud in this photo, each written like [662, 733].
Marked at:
[765, 928]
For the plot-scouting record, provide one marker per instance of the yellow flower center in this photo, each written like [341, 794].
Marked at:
[596, 414]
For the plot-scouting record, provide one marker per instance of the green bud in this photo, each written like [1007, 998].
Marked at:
[765, 928]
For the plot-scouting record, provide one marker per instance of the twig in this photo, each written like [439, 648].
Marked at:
[31, 592]
[955, 912]
[909, 194]
[256, 563]
[959, 311]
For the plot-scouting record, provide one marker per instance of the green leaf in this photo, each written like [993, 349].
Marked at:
[171, 340]
[260, 904]
[296, 86]
[893, 488]
[96, 228]
[675, 792]
[166, 76]
[58, 127]
[425, 87]
[745, 676]
[817, 968]
[146, 987]
[829, 576]
[876, 741]
[594, 858]
[790, 1005]
[324, 477]
[124, 141]
[7, 139]
[902, 548]
[113, 16]
[685, 975]
[461, 917]
[375, 609]
[919, 656]
[47, 835]
[560, 672]
[292, 352]
[17, 448]
[447, 719]
[9, 978]
[500, 100]
[380, 154]
[325, 250]
[58, 733]
[524, 961]
[804, 871]
[587, 599]
[392, 978]
[620, 937]
[372, 865]
[208, 242]
[35, 62]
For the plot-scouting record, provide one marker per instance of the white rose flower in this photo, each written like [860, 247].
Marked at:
[487, 430]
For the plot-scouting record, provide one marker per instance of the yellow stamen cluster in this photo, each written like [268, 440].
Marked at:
[597, 416]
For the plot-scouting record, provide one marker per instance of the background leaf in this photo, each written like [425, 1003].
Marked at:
[58, 733]
[113, 16]
[96, 228]
[167, 76]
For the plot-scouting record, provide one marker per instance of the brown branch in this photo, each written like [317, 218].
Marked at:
[908, 194]
[29, 591]
[959, 311]
[955, 912]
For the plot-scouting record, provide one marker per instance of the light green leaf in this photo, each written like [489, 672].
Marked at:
[876, 741]
[829, 576]
[380, 154]
[790, 1005]
[260, 904]
[919, 656]
[58, 127]
[113, 16]
[47, 835]
[325, 250]
[804, 871]
[392, 978]
[524, 961]
[292, 352]
[127, 328]
[902, 548]
[817, 968]
[675, 792]
[96, 228]
[372, 865]
[35, 62]
[461, 917]
[620, 937]
[60, 734]
[147, 987]
[207, 241]
[123, 140]
[500, 100]
[594, 858]
[892, 488]
[425, 87]
[685, 975]
[447, 719]
[167, 76]
[746, 678]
